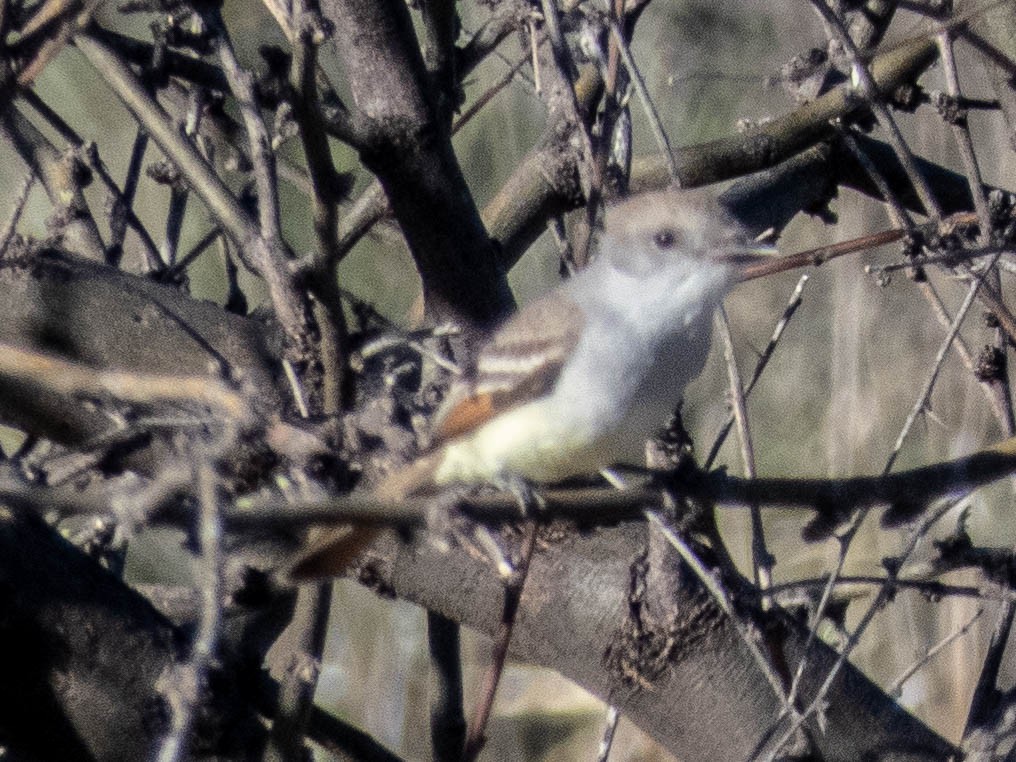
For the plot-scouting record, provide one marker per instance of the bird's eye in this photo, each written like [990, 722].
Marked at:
[665, 239]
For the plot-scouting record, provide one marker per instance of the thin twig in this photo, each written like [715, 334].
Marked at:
[760, 365]
[326, 305]
[866, 85]
[552, 23]
[242, 84]
[847, 538]
[944, 319]
[851, 532]
[309, 626]
[476, 736]
[119, 220]
[895, 687]
[818, 702]
[269, 252]
[986, 690]
[294, 383]
[179, 192]
[95, 163]
[534, 52]
[921, 403]
[118, 75]
[567, 71]
[190, 679]
[652, 114]
[182, 263]
[20, 199]
[1000, 387]
[80, 232]
[1002, 408]
[476, 106]
[272, 254]
[949, 258]
[897, 212]
[296, 689]
[961, 133]
[993, 301]
[345, 741]
[821, 254]
[610, 723]
[932, 589]
[62, 377]
[761, 560]
[715, 589]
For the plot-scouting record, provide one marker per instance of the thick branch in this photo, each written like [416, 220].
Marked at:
[61, 305]
[785, 136]
[403, 141]
[577, 609]
[545, 183]
[83, 658]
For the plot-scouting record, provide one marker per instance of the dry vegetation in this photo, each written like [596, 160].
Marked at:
[230, 234]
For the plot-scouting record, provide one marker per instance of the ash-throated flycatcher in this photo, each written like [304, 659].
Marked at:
[581, 378]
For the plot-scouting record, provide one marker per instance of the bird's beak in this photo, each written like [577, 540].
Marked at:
[748, 261]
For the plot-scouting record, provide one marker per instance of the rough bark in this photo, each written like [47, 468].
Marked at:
[699, 692]
[88, 659]
[403, 141]
[60, 304]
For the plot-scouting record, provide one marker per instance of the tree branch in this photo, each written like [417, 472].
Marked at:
[402, 140]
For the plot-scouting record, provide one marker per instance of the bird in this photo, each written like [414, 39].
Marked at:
[580, 378]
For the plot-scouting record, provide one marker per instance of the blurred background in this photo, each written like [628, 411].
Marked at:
[832, 402]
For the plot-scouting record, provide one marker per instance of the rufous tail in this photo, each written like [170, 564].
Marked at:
[332, 552]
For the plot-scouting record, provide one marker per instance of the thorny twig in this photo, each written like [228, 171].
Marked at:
[846, 539]
[921, 403]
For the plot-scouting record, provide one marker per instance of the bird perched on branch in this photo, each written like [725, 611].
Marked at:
[579, 379]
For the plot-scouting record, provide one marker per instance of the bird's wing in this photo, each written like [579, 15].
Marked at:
[521, 362]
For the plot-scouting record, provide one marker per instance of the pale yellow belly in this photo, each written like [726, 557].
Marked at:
[532, 442]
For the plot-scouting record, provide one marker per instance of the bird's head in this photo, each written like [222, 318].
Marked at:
[677, 235]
